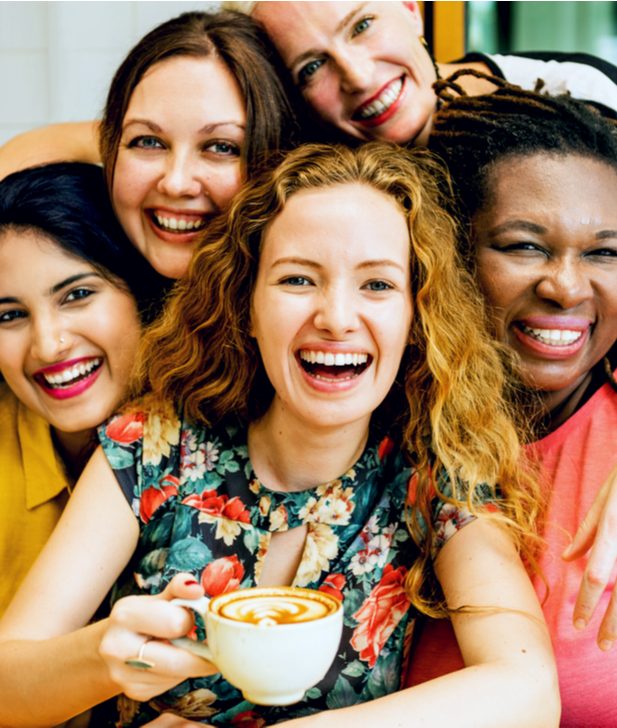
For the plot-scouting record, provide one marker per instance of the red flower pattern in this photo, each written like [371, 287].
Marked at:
[379, 614]
[333, 585]
[126, 428]
[248, 719]
[219, 505]
[385, 448]
[222, 575]
[154, 496]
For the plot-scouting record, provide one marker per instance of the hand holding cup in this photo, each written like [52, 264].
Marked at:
[273, 643]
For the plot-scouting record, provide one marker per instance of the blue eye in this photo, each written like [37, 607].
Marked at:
[296, 281]
[146, 142]
[224, 149]
[305, 73]
[378, 286]
[361, 26]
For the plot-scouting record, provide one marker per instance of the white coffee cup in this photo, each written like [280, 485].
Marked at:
[273, 643]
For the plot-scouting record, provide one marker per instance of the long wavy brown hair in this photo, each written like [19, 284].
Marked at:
[240, 43]
[446, 407]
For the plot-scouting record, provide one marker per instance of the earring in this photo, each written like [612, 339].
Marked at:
[608, 369]
[425, 45]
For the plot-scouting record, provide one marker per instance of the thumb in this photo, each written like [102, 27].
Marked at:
[183, 586]
[586, 532]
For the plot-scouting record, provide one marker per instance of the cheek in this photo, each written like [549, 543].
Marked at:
[119, 332]
[324, 97]
[223, 185]
[129, 186]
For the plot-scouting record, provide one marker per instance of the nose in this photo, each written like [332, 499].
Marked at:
[180, 177]
[51, 341]
[565, 283]
[355, 70]
[337, 313]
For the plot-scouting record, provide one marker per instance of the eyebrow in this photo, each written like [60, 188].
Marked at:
[313, 264]
[536, 229]
[606, 234]
[206, 129]
[339, 27]
[526, 225]
[58, 286]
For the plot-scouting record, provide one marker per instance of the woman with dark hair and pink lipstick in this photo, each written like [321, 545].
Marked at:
[195, 108]
[304, 420]
[72, 289]
[536, 179]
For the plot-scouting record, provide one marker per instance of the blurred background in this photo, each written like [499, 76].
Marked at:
[57, 58]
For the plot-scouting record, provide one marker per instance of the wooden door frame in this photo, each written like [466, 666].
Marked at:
[445, 28]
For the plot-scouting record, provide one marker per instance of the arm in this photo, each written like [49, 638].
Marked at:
[509, 679]
[69, 142]
[44, 649]
[597, 532]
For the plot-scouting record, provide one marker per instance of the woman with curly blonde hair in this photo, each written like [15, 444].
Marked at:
[309, 391]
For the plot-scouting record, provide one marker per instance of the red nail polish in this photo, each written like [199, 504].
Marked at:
[190, 582]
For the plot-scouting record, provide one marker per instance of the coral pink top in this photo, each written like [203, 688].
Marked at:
[576, 459]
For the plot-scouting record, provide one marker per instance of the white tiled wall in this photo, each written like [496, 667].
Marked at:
[57, 58]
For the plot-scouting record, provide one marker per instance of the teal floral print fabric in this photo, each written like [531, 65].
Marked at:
[201, 509]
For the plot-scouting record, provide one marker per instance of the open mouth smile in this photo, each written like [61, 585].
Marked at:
[553, 337]
[177, 223]
[552, 343]
[333, 367]
[70, 379]
[382, 106]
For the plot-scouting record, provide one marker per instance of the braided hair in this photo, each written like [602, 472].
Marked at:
[473, 133]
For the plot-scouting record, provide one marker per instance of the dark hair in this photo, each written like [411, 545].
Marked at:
[68, 203]
[473, 133]
[246, 51]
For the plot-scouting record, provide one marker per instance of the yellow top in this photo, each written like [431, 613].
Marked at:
[33, 490]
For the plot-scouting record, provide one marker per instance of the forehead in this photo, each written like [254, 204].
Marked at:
[182, 82]
[295, 27]
[28, 254]
[568, 181]
[341, 221]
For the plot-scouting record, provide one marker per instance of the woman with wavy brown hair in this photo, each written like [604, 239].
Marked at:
[308, 392]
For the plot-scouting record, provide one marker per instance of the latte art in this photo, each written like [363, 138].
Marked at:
[271, 608]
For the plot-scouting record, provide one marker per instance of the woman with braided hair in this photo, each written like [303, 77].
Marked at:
[361, 71]
[536, 179]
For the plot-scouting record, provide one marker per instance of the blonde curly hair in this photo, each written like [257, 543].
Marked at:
[447, 406]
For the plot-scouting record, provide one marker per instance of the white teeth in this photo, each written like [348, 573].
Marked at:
[174, 224]
[333, 360]
[384, 102]
[553, 337]
[68, 375]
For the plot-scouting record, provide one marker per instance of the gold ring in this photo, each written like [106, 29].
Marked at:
[139, 662]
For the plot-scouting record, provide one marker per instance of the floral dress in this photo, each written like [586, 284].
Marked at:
[202, 509]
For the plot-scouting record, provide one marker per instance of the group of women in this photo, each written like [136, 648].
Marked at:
[334, 393]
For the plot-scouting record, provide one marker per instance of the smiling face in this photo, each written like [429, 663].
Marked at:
[546, 245]
[332, 308]
[178, 162]
[68, 337]
[360, 65]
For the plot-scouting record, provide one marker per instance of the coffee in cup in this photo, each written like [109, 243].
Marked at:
[273, 643]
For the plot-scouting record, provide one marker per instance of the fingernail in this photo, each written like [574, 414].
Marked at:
[580, 623]
[606, 645]
[191, 582]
